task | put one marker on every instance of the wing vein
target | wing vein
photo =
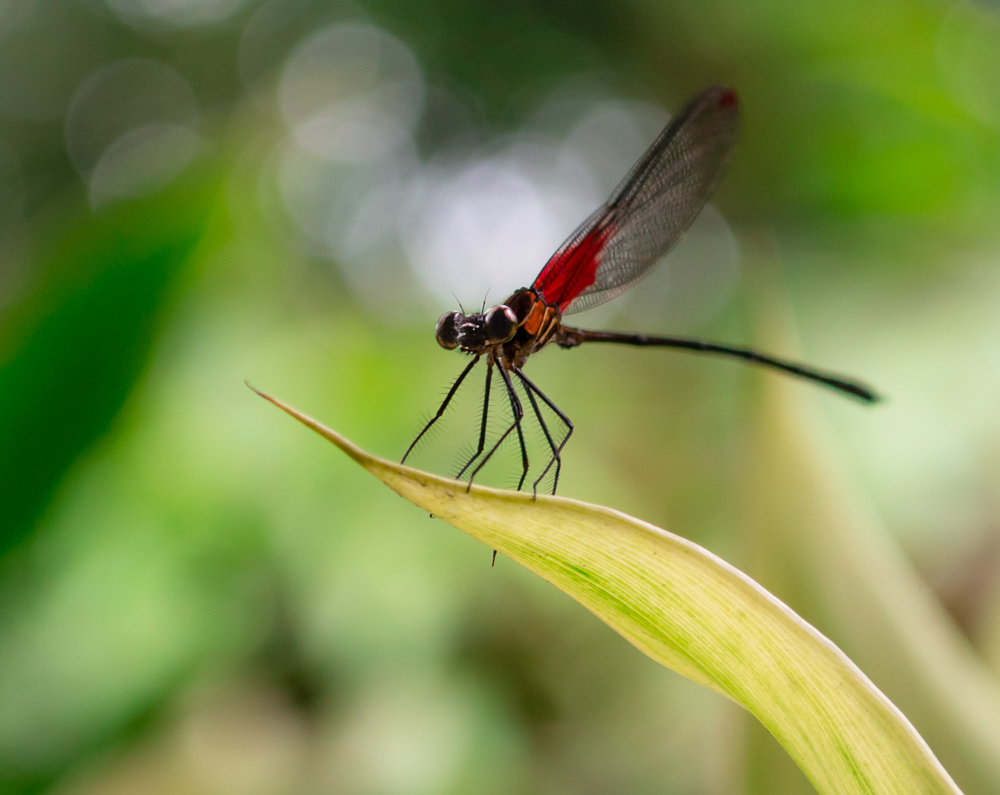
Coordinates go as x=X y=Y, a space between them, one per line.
x=649 y=210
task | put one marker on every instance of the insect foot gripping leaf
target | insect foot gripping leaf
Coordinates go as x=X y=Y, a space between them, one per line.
x=696 y=614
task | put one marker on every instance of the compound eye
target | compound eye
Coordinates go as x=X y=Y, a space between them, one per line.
x=446 y=331
x=501 y=323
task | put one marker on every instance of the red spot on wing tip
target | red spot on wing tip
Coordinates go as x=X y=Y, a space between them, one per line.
x=727 y=99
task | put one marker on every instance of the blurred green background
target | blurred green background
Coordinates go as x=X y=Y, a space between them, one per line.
x=199 y=596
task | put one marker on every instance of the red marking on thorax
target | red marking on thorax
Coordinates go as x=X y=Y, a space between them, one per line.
x=573 y=270
x=727 y=99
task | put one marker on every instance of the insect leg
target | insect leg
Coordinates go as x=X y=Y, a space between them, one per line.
x=482 y=427
x=516 y=407
x=444 y=405
x=548 y=437
x=515 y=404
x=557 y=451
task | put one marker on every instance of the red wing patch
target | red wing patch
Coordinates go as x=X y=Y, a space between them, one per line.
x=573 y=269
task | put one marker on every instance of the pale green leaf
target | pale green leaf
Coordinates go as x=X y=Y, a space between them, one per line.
x=810 y=536
x=694 y=613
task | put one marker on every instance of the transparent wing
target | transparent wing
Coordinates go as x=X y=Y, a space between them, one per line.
x=649 y=211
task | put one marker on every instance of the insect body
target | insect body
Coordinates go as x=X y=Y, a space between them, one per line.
x=617 y=245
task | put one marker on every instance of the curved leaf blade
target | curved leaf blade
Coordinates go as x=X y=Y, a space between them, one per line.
x=696 y=614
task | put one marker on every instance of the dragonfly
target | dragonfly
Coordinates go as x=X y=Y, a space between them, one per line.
x=619 y=243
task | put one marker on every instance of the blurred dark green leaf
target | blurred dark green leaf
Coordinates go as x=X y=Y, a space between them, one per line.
x=71 y=350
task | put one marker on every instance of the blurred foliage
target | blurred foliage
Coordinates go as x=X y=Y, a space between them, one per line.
x=196 y=598
x=77 y=343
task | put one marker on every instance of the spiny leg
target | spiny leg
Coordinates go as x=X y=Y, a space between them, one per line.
x=482 y=427
x=556 y=458
x=441 y=410
x=548 y=438
x=515 y=404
